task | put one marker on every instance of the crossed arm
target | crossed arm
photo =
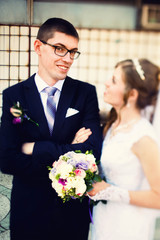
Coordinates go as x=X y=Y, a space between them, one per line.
x=80 y=137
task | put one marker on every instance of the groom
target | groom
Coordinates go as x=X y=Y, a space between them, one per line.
x=37 y=213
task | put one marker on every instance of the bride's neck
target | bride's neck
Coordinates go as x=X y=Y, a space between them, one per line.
x=126 y=115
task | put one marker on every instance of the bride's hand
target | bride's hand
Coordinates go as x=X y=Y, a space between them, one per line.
x=97 y=187
x=27 y=148
x=82 y=135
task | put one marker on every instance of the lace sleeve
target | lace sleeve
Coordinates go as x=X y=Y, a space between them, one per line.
x=113 y=193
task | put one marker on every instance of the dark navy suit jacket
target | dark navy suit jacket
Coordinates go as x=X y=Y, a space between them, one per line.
x=36 y=211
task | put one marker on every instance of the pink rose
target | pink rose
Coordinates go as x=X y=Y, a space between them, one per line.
x=79 y=194
x=57 y=163
x=93 y=167
x=80 y=173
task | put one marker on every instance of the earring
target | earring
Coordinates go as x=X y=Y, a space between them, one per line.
x=128 y=105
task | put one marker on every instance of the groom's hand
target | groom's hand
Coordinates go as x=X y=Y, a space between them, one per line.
x=27 y=148
x=82 y=135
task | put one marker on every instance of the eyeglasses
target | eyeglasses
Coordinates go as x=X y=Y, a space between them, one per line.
x=62 y=51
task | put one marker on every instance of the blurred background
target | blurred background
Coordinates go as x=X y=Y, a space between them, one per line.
x=109 y=31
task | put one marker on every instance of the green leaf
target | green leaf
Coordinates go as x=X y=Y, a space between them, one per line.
x=97 y=178
x=98 y=162
x=49 y=168
x=78 y=151
x=89 y=152
x=81 y=199
x=89 y=188
x=58 y=176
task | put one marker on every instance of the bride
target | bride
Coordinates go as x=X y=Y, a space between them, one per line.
x=130 y=157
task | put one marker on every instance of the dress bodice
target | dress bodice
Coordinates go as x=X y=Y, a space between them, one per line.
x=120 y=165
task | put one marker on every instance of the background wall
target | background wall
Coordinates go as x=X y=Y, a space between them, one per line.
x=86 y=15
x=100 y=50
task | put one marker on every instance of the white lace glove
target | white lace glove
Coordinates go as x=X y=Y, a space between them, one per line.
x=112 y=193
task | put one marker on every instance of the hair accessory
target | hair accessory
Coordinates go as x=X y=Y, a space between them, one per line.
x=139 y=69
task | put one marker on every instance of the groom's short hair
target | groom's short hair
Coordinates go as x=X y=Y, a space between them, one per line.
x=52 y=25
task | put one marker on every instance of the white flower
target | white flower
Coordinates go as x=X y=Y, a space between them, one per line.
x=71 y=182
x=58 y=187
x=70 y=154
x=80 y=156
x=64 y=169
x=80 y=186
x=91 y=159
x=51 y=176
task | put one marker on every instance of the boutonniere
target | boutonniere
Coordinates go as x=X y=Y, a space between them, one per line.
x=19 y=114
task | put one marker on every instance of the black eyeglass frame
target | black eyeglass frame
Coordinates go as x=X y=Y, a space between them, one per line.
x=70 y=51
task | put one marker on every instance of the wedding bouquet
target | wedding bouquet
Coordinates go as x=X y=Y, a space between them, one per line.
x=73 y=175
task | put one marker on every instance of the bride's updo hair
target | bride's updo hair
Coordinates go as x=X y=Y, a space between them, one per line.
x=142 y=75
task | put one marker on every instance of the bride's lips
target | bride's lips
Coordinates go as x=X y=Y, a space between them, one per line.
x=105 y=92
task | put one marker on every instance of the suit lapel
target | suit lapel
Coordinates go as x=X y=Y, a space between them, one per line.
x=66 y=97
x=34 y=105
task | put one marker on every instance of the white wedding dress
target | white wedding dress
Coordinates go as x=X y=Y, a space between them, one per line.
x=119 y=221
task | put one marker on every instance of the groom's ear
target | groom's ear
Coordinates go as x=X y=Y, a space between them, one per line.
x=37 y=46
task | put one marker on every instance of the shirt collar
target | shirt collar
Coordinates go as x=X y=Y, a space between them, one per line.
x=41 y=84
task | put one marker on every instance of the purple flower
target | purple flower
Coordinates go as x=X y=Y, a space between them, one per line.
x=73 y=197
x=72 y=162
x=70 y=154
x=26 y=117
x=53 y=171
x=82 y=165
x=18 y=112
x=17 y=120
x=62 y=181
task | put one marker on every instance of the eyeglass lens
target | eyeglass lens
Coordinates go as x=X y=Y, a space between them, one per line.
x=62 y=51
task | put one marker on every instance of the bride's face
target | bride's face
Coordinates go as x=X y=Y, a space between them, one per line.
x=115 y=88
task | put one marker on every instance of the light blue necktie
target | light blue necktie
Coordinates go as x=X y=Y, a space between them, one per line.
x=51 y=106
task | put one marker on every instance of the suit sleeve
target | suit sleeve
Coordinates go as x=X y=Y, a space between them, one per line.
x=12 y=160
x=51 y=150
